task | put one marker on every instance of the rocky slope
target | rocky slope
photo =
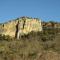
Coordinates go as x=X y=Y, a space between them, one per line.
x=51 y=24
x=20 y=26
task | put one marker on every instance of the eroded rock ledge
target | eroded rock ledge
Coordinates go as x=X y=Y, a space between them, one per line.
x=20 y=26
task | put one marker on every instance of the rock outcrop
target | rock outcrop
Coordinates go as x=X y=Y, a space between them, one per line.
x=20 y=26
x=51 y=24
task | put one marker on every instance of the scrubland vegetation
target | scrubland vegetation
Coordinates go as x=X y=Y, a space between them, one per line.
x=43 y=45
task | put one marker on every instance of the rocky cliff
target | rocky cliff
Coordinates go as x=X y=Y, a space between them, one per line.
x=20 y=26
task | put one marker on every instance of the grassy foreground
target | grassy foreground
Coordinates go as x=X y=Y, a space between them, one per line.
x=34 y=46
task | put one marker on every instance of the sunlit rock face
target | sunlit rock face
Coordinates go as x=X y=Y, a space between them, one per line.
x=20 y=26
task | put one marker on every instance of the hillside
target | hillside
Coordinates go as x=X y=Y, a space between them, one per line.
x=51 y=24
x=36 y=45
x=20 y=26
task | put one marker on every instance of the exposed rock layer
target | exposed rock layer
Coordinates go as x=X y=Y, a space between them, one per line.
x=20 y=26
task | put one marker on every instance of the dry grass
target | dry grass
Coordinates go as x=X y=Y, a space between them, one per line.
x=30 y=47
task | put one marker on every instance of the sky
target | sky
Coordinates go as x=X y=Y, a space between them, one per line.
x=46 y=10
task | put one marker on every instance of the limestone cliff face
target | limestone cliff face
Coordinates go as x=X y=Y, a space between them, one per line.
x=20 y=26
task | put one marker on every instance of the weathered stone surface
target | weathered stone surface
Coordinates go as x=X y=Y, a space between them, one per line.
x=20 y=26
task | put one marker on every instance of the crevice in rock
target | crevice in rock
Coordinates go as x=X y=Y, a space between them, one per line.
x=3 y=25
x=17 y=29
x=24 y=23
